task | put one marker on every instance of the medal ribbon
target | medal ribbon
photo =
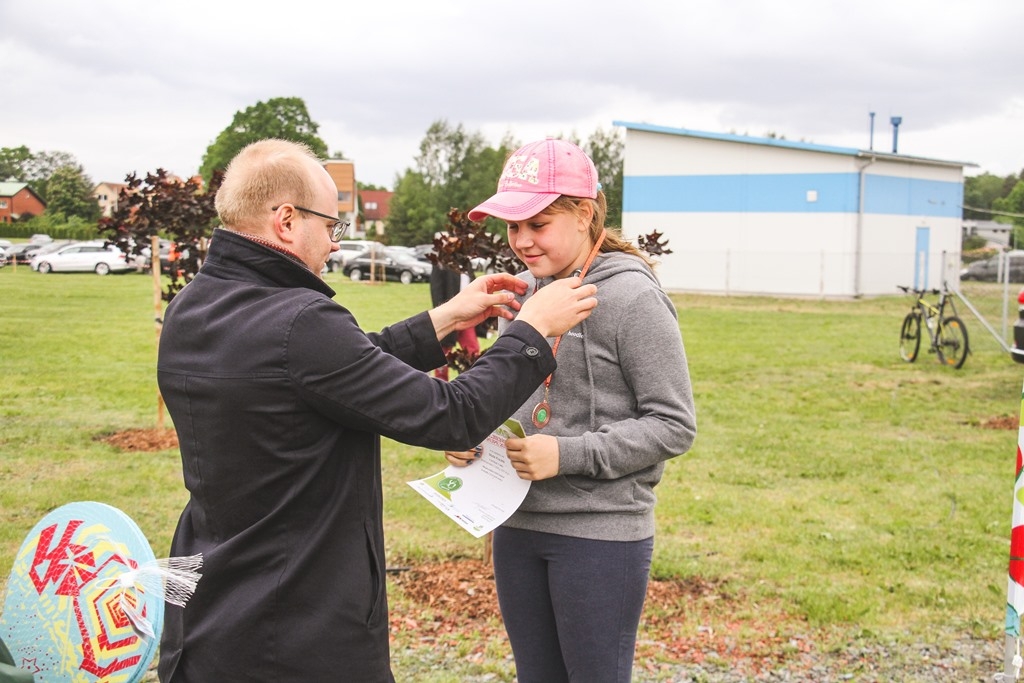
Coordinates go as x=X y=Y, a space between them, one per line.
x=542 y=412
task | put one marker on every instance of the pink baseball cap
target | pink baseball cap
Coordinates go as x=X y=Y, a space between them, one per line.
x=535 y=176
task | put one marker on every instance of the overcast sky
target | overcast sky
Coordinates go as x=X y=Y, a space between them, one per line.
x=130 y=86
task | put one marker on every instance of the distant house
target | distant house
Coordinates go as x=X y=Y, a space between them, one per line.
x=106 y=195
x=374 y=205
x=767 y=216
x=997 y=234
x=18 y=201
x=344 y=175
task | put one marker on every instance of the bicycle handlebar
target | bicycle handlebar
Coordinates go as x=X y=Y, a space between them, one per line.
x=908 y=290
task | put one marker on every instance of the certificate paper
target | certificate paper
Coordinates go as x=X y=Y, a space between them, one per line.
x=482 y=495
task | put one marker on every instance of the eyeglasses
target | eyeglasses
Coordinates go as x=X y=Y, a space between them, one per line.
x=337 y=231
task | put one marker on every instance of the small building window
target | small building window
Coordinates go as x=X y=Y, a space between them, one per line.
x=344 y=196
x=371 y=206
x=3 y=203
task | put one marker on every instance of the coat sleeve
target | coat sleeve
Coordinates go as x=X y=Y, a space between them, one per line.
x=413 y=341
x=365 y=383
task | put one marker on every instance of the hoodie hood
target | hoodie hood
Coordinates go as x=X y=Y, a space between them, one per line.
x=605 y=266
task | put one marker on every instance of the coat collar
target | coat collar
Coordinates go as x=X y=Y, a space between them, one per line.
x=233 y=251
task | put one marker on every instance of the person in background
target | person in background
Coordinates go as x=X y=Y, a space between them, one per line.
x=571 y=565
x=279 y=401
x=445 y=284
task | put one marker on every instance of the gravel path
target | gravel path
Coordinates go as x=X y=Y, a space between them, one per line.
x=964 y=659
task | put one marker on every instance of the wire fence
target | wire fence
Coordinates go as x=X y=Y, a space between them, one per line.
x=994 y=306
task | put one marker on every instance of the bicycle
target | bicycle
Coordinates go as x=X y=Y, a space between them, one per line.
x=947 y=333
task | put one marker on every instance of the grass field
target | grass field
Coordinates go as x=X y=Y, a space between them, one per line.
x=860 y=491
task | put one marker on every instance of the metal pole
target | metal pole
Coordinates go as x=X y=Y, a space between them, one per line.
x=1005 y=269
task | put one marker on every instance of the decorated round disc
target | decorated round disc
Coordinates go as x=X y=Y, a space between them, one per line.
x=66 y=616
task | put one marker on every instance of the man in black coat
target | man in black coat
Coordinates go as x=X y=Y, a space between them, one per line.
x=279 y=400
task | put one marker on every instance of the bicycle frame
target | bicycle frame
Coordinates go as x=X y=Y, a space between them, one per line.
x=947 y=335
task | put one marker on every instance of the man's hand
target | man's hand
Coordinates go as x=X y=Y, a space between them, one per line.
x=560 y=306
x=535 y=457
x=486 y=297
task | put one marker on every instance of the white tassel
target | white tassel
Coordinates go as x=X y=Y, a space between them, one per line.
x=172 y=579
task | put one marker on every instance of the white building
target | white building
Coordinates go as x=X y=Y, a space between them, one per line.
x=768 y=216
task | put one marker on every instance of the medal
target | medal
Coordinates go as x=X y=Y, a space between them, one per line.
x=542 y=411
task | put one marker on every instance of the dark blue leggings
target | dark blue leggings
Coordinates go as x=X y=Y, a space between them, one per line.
x=571 y=606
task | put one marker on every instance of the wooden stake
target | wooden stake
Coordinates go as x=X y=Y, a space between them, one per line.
x=154 y=265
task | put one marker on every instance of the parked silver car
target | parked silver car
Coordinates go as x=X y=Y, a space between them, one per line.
x=82 y=257
x=988 y=269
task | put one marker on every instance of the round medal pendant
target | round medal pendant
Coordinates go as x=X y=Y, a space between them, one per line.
x=541 y=414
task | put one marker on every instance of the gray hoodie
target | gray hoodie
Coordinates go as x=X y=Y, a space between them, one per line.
x=621 y=405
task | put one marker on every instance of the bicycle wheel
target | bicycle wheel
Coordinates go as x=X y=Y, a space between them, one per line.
x=952 y=342
x=910 y=337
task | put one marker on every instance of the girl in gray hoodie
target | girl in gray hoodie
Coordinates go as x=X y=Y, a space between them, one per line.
x=571 y=565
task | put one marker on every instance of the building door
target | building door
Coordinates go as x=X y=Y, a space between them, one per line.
x=921 y=258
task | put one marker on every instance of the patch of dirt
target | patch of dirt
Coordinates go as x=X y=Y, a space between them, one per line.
x=142 y=440
x=466 y=586
x=685 y=620
x=1001 y=422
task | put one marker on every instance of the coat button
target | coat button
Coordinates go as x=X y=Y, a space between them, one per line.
x=532 y=351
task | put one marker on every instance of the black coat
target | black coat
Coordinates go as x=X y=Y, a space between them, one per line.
x=279 y=400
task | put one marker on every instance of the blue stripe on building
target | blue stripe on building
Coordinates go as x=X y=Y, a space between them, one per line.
x=787 y=193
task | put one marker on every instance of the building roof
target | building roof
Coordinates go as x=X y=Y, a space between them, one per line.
x=788 y=144
x=11 y=188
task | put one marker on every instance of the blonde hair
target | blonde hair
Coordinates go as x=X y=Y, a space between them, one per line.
x=613 y=238
x=264 y=174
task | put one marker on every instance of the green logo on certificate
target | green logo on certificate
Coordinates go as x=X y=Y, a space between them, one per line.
x=450 y=484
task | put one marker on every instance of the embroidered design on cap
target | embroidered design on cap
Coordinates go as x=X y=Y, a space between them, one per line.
x=522 y=167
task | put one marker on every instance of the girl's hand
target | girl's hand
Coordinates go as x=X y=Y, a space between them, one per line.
x=463 y=458
x=535 y=457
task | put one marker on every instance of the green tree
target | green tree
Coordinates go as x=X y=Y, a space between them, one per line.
x=281 y=117
x=980 y=192
x=412 y=211
x=606 y=150
x=14 y=162
x=69 y=192
x=1012 y=206
x=454 y=169
x=22 y=165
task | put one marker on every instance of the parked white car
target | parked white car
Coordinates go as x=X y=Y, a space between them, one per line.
x=82 y=257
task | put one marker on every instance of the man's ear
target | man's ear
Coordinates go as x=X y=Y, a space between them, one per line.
x=285 y=227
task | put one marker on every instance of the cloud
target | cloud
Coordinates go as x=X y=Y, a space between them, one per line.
x=132 y=86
